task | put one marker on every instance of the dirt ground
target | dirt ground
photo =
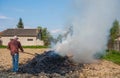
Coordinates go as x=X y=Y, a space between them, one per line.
x=102 y=69
x=5 y=57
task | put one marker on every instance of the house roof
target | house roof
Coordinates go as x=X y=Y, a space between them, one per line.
x=19 y=32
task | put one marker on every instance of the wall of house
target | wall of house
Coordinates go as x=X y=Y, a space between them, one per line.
x=5 y=40
x=25 y=41
x=0 y=41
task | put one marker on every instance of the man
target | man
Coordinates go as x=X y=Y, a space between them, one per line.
x=14 y=47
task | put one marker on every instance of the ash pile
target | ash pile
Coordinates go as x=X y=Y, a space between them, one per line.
x=50 y=63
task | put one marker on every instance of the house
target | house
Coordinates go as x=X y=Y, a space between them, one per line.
x=0 y=39
x=27 y=37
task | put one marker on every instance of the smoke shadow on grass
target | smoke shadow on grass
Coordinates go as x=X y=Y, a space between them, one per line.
x=50 y=62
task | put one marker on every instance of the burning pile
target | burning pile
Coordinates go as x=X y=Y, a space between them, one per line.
x=50 y=62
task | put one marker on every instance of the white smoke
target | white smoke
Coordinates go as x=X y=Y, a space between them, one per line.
x=91 y=24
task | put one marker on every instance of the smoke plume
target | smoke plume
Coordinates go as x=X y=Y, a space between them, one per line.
x=91 y=22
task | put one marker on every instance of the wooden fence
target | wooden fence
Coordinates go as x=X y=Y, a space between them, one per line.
x=114 y=46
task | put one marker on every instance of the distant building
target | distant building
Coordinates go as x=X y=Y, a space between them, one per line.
x=27 y=37
x=0 y=39
x=116 y=44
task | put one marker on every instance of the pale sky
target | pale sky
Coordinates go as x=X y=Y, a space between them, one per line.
x=51 y=14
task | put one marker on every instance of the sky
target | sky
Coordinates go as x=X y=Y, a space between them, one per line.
x=46 y=13
x=51 y=14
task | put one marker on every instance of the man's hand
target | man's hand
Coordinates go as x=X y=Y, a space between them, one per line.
x=22 y=51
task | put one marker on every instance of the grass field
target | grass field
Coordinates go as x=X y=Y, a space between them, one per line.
x=113 y=56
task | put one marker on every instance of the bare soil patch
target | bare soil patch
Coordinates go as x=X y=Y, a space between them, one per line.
x=102 y=69
x=5 y=57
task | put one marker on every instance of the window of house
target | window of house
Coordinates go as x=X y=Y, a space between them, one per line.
x=29 y=39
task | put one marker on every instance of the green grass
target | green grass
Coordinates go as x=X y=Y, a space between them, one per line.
x=113 y=56
x=28 y=47
x=35 y=46
x=3 y=46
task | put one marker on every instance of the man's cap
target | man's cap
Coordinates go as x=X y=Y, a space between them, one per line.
x=15 y=37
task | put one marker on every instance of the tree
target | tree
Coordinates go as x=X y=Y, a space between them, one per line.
x=39 y=33
x=114 y=31
x=20 y=24
x=45 y=36
x=59 y=38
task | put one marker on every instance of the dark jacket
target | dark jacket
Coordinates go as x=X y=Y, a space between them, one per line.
x=14 y=46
